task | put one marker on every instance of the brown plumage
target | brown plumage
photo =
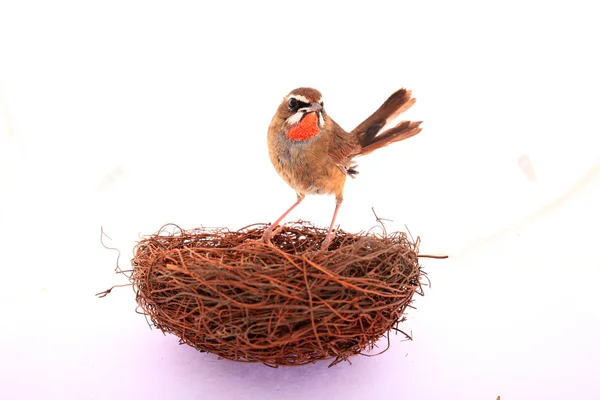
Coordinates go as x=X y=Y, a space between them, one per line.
x=314 y=155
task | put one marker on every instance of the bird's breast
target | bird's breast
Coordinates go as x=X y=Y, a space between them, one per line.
x=305 y=165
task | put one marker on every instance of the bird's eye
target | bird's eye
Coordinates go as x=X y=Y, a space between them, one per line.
x=292 y=103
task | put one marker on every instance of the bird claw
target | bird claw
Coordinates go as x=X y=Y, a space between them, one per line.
x=326 y=243
x=266 y=237
x=269 y=233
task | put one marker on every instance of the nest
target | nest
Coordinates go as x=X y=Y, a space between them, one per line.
x=227 y=293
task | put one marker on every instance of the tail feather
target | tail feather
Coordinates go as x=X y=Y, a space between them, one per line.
x=396 y=104
x=403 y=130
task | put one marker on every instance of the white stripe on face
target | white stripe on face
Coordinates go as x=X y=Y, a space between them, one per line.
x=294 y=119
x=298 y=97
x=301 y=98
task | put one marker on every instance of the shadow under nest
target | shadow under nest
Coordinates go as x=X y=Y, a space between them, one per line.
x=228 y=293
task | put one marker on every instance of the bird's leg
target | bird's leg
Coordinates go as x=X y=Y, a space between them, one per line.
x=269 y=232
x=329 y=237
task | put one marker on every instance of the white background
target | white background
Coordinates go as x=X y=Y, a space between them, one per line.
x=129 y=115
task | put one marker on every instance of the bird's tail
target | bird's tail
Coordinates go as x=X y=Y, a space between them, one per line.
x=368 y=132
x=403 y=130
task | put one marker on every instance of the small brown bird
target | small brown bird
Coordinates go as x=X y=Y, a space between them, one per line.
x=314 y=155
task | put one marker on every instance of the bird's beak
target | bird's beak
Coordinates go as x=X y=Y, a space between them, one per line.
x=314 y=107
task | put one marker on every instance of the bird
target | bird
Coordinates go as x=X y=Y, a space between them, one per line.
x=315 y=155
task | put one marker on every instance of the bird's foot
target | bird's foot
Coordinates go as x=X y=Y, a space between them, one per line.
x=269 y=233
x=267 y=236
x=326 y=242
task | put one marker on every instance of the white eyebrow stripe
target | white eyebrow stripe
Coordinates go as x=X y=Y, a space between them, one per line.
x=301 y=98
x=298 y=97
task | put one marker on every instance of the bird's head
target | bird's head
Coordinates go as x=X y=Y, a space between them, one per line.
x=301 y=115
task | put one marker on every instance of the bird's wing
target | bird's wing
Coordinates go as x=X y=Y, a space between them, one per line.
x=342 y=147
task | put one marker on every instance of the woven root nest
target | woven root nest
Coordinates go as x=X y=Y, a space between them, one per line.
x=227 y=293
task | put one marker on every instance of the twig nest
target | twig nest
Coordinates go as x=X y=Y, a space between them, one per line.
x=287 y=303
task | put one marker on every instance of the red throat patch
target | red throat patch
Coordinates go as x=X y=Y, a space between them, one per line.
x=306 y=129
